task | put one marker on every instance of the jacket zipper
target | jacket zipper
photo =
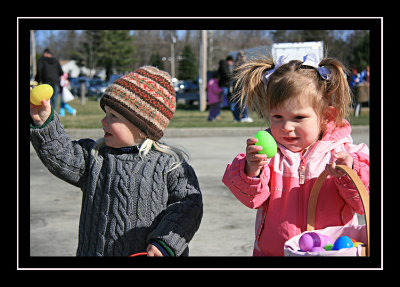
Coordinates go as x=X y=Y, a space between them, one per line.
x=303 y=163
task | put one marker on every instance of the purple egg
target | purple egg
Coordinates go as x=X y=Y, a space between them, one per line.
x=309 y=240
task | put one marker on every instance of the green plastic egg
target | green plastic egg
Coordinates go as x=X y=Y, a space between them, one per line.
x=41 y=92
x=267 y=142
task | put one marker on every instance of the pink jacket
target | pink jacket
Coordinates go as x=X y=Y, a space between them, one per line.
x=213 y=91
x=282 y=190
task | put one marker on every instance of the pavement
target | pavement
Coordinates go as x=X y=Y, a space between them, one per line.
x=227 y=227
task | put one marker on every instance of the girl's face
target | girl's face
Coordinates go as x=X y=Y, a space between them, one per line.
x=118 y=131
x=295 y=125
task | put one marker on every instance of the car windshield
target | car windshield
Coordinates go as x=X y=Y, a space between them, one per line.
x=97 y=82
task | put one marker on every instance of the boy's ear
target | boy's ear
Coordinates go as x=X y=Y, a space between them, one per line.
x=330 y=114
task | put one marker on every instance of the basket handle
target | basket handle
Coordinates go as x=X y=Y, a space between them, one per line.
x=362 y=191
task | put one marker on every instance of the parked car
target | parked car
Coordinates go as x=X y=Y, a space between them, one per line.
x=75 y=84
x=97 y=88
x=189 y=90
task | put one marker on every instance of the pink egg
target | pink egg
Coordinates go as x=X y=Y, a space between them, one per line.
x=318 y=249
x=325 y=239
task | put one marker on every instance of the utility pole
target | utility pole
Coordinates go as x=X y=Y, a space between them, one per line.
x=33 y=53
x=203 y=71
x=173 y=41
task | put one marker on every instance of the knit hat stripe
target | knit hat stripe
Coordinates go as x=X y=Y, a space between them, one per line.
x=150 y=89
x=145 y=97
x=137 y=92
x=159 y=77
x=141 y=107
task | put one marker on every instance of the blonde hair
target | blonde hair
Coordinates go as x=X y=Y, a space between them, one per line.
x=179 y=155
x=291 y=80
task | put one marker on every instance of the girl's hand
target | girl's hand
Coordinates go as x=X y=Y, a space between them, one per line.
x=40 y=114
x=254 y=160
x=343 y=158
x=153 y=251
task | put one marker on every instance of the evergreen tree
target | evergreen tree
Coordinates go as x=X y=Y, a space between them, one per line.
x=188 y=65
x=116 y=50
x=110 y=49
x=155 y=60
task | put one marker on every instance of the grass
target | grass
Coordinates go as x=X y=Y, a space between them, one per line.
x=90 y=114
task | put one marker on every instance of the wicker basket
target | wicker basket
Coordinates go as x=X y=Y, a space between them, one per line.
x=358 y=232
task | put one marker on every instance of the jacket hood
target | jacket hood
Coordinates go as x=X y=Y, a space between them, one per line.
x=334 y=136
x=51 y=61
x=334 y=133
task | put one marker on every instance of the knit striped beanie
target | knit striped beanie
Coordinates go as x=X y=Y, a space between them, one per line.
x=145 y=97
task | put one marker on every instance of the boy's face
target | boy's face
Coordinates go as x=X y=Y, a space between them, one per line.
x=118 y=131
x=295 y=125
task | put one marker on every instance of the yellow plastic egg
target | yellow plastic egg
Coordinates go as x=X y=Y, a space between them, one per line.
x=357 y=243
x=41 y=92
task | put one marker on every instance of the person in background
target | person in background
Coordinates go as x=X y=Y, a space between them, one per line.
x=63 y=103
x=224 y=71
x=49 y=72
x=214 y=97
x=239 y=113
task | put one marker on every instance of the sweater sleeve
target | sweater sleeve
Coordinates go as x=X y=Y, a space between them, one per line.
x=347 y=190
x=252 y=192
x=184 y=210
x=64 y=158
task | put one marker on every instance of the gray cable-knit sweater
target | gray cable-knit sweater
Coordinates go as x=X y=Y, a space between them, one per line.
x=127 y=201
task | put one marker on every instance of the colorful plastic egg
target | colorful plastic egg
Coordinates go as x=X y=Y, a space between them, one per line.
x=357 y=243
x=310 y=240
x=328 y=247
x=267 y=142
x=318 y=249
x=325 y=240
x=342 y=242
x=41 y=92
x=307 y=241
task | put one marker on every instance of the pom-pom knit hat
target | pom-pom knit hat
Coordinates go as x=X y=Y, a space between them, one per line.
x=145 y=97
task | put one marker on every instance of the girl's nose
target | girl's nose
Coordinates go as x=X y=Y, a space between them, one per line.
x=287 y=126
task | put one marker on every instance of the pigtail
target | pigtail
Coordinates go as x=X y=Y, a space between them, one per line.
x=179 y=155
x=337 y=90
x=250 y=86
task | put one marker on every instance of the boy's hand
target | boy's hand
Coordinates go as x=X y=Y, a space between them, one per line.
x=153 y=251
x=343 y=158
x=40 y=114
x=254 y=160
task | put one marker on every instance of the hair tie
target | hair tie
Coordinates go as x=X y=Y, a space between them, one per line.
x=282 y=60
x=310 y=60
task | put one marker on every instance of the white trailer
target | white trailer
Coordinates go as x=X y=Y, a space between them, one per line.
x=296 y=51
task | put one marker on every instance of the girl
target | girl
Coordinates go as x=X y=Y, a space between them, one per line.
x=306 y=104
x=138 y=194
x=64 y=83
x=214 y=97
